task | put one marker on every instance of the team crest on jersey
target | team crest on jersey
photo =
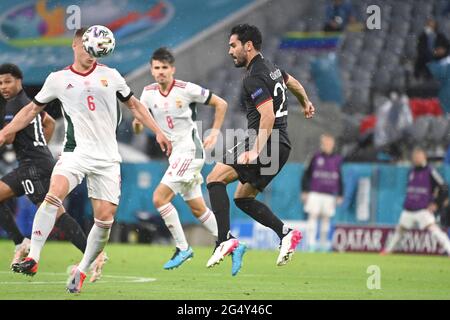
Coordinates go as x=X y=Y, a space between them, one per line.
x=104 y=82
x=178 y=103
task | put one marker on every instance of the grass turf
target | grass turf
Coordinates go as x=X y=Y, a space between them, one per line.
x=135 y=272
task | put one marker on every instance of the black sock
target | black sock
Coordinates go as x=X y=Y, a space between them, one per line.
x=8 y=223
x=72 y=230
x=261 y=213
x=220 y=205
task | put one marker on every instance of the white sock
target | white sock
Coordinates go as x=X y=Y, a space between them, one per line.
x=395 y=239
x=170 y=217
x=43 y=224
x=208 y=219
x=96 y=242
x=324 y=230
x=312 y=231
x=441 y=237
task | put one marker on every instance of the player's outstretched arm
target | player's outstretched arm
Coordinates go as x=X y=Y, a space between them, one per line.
x=221 y=108
x=299 y=92
x=20 y=121
x=141 y=113
x=48 y=124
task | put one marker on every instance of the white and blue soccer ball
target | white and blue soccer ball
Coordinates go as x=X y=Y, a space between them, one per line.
x=99 y=41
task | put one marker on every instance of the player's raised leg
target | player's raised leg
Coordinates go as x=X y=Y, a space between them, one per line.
x=245 y=199
x=217 y=181
x=98 y=237
x=162 y=198
x=75 y=234
x=43 y=223
x=203 y=213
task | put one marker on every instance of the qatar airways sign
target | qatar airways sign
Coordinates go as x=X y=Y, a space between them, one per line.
x=348 y=238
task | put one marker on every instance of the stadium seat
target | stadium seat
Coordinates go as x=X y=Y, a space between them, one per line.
x=419 y=130
x=438 y=129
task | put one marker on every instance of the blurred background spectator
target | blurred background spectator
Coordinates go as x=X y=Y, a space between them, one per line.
x=440 y=70
x=339 y=13
x=432 y=44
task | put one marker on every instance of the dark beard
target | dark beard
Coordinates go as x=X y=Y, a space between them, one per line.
x=240 y=64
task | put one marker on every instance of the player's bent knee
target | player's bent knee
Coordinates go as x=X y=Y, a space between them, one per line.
x=59 y=187
x=212 y=177
x=198 y=210
x=159 y=200
x=218 y=174
x=105 y=211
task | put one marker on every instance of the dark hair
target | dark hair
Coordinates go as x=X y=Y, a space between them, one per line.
x=79 y=32
x=246 y=32
x=12 y=69
x=164 y=55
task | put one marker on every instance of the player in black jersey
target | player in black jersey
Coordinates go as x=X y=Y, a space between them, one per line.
x=258 y=159
x=32 y=176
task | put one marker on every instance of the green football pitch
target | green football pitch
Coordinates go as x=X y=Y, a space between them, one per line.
x=135 y=272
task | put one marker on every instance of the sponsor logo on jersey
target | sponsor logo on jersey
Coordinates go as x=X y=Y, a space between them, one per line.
x=9 y=117
x=257 y=93
x=104 y=82
x=69 y=86
x=203 y=92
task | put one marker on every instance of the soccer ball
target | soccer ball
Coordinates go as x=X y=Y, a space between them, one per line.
x=98 y=41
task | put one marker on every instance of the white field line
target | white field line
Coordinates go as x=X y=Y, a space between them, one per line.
x=120 y=279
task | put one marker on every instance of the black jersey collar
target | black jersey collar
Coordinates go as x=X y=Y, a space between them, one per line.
x=255 y=58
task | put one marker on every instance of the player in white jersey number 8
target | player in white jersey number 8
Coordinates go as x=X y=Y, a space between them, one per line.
x=172 y=103
x=88 y=92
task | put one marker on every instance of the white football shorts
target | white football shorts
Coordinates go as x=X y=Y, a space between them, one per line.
x=412 y=219
x=102 y=178
x=320 y=204
x=183 y=176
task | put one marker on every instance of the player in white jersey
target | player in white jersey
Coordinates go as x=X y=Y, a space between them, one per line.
x=88 y=92
x=172 y=103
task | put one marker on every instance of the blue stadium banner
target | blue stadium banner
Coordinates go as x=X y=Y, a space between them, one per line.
x=36 y=34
